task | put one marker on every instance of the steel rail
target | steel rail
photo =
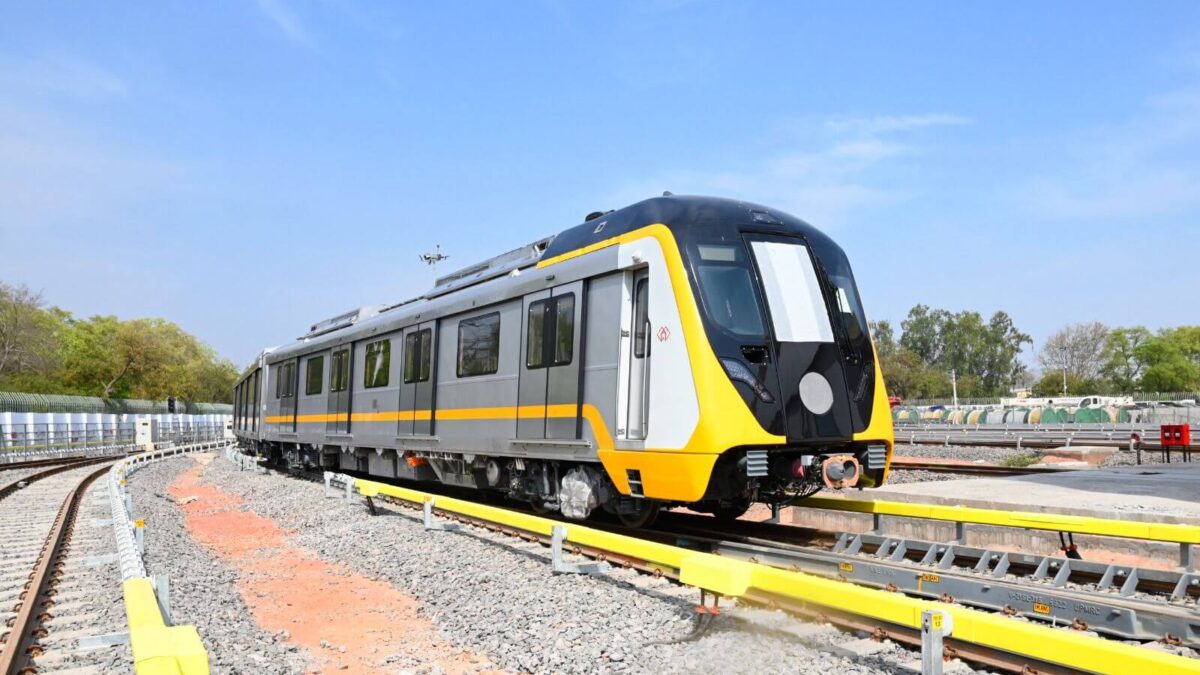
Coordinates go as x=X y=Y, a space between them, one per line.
x=981 y=636
x=1185 y=535
x=1011 y=583
x=74 y=463
x=967 y=468
x=39 y=578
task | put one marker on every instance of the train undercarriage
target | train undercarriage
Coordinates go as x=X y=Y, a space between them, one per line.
x=579 y=490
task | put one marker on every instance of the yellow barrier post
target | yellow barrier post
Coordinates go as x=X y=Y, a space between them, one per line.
x=159 y=649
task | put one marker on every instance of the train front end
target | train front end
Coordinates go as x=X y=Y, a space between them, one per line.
x=782 y=314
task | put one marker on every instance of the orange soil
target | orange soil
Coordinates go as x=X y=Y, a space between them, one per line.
x=288 y=588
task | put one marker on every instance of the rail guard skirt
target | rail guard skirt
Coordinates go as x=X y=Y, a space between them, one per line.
x=735 y=578
x=1126 y=529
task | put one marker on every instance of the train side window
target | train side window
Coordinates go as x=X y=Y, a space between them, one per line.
x=564 y=329
x=535 y=335
x=426 y=354
x=479 y=345
x=378 y=363
x=338 y=377
x=641 y=320
x=285 y=381
x=550 y=337
x=416 y=356
x=315 y=375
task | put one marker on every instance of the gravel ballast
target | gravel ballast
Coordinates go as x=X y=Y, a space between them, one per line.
x=484 y=592
x=203 y=593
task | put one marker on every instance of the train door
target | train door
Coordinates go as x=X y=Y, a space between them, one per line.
x=416 y=382
x=338 y=419
x=531 y=389
x=563 y=356
x=549 y=391
x=289 y=375
x=639 y=359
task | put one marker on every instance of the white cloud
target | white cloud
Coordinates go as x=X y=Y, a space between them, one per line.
x=871 y=126
x=285 y=19
x=1145 y=167
x=824 y=170
x=57 y=74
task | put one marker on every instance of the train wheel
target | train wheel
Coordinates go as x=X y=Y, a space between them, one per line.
x=645 y=516
x=732 y=511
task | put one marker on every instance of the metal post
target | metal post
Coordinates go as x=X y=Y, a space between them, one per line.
x=558 y=535
x=328 y=479
x=140 y=537
x=428 y=518
x=935 y=624
x=1186 y=561
x=162 y=591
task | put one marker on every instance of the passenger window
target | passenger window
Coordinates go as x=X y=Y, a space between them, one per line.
x=551 y=332
x=338 y=377
x=535 y=335
x=416 y=356
x=641 y=320
x=564 y=329
x=378 y=362
x=315 y=375
x=426 y=354
x=479 y=345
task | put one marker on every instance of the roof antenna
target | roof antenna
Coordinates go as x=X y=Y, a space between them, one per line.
x=668 y=193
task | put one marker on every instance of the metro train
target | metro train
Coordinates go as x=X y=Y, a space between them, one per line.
x=682 y=351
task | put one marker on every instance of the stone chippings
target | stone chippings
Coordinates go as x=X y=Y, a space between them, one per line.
x=496 y=595
x=203 y=590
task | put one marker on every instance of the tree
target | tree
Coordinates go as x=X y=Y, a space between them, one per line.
x=922 y=332
x=984 y=356
x=28 y=333
x=1171 y=360
x=1120 y=364
x=884 y=337
x=1051 y=385
x=1076 y=351
x=143 y=358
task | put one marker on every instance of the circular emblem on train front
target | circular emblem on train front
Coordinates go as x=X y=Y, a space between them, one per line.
x=663 y=334
x=815 y=393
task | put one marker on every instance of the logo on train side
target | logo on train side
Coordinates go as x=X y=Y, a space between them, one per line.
x=663 y=334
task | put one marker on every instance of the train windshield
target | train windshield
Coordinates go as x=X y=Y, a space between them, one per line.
x=850 y=311
x=793 y=292
x=727 y=290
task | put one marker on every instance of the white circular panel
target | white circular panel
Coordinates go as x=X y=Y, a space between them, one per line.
x=816 y=394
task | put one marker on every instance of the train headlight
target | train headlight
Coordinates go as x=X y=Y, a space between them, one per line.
x=738 y=372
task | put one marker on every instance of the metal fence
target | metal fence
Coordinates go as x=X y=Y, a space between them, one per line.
x=64 y=436
x=1137 y=396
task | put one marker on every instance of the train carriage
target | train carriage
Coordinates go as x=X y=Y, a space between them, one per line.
x=683 y=350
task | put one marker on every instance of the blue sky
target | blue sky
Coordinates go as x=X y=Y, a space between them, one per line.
x=247 y=168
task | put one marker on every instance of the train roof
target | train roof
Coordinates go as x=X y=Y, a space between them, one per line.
x=675 y=211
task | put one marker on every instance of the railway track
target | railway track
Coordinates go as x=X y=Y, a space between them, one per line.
x=53 y=595
x=967 y=468
x=1115 y=601
x=1119 y=602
